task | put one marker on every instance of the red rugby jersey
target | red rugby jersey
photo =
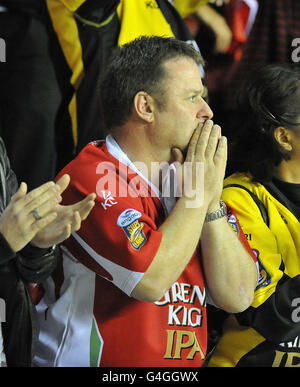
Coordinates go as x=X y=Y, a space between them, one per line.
x=87 y=316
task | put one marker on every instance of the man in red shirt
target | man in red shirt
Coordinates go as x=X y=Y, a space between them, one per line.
x=131 y=287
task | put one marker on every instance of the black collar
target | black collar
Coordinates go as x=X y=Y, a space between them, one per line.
x=288 y=194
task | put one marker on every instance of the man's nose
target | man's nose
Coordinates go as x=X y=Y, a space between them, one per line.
x=205 y=111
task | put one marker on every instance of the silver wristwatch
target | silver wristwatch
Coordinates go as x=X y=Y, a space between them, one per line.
x=222 y=211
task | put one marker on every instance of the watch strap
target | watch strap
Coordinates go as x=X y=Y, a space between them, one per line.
x=220 y=213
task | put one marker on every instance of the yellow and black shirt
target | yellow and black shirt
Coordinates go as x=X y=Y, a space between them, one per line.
x=267 y=333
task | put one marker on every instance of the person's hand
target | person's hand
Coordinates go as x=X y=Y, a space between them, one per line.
x=203 y=170
x=219 y=26
x=68 y=219
x=18 y=224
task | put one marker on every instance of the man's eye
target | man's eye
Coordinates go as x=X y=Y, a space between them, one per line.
x=192 y=98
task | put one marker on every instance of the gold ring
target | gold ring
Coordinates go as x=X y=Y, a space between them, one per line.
x=36 y=214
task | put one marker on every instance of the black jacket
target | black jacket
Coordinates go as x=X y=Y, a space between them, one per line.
x=20 y=330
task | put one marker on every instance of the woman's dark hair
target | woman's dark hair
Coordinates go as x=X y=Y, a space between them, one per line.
x=269 y=99
x=137 y=66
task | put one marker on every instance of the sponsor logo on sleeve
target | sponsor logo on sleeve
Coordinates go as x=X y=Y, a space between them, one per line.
x=233 y=223
x=129 y=222
x=264 y=277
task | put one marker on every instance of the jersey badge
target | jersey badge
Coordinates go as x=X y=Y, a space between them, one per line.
x=129 y=221
x=264 y=277
x=233 y=223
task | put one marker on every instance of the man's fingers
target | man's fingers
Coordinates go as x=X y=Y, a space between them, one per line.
x=44 y=203
x=76 y=223
x=204 y=144
x=40 y=224
x=221 y=153
x=63 y=234
x=85 y=208
x=42 y=193
x=192 y=146
x=41 y=210
x=67 y=233
x=203 y=141
x=84 y=213
x=63 y=182
x=22 y=190
x=213 y=140
x=86 y=203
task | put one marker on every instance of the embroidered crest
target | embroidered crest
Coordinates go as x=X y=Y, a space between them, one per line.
x=133 y=229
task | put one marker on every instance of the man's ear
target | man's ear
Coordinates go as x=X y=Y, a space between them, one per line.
x=144 y=106
x=283 y=137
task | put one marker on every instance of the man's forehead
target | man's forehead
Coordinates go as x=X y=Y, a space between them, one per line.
x=185 y=69
x=180 y=62
x=196 y=90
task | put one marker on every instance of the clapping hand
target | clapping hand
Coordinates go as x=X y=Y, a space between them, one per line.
x=68 y=218
x=37 y=216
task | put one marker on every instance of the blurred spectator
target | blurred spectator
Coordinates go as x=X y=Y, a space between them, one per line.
x=264 y=192
x=51 y=98
x=276 y=25
x=221 y=30
x=30 y=96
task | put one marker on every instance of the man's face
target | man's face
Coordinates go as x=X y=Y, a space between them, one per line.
x=184 y=109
